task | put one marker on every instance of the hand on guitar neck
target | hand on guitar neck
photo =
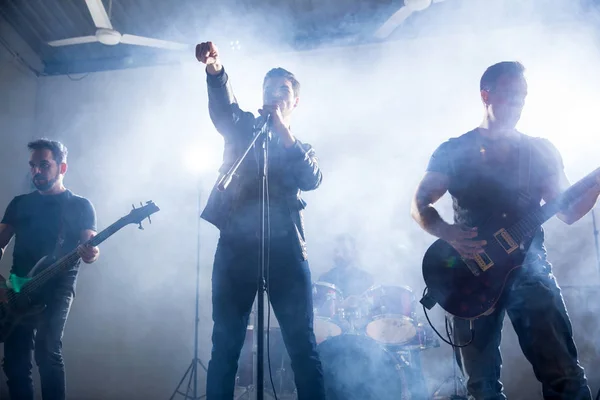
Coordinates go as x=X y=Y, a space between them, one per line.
x=463 y=240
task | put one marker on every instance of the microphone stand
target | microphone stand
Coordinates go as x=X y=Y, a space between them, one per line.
x=261 y=132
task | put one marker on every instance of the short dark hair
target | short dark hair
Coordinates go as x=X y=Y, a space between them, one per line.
x=59 y=150
x=283 y=73
x=490 y=76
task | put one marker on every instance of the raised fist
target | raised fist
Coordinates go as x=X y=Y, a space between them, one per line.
x=207 y=53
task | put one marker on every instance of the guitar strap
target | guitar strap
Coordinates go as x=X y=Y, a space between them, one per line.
x=524 y=196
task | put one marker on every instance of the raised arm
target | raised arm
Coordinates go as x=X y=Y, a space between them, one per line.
x=223 y=107
x=557 y=182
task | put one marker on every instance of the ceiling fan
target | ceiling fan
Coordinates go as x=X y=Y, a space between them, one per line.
x=105 y=33
x=410 y=7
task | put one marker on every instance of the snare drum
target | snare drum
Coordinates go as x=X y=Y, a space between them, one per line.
x=392 y=314
x=327 y=304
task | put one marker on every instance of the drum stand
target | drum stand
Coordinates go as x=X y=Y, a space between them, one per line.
x=457 y=380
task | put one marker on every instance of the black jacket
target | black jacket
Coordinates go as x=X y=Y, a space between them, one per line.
x=294 y=170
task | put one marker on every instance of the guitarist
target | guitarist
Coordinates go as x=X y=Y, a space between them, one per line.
x=47 y=221
x=482 y=171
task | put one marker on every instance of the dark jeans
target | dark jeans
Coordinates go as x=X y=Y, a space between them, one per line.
x=536 y=309
x=43 y=335
x=234 y=285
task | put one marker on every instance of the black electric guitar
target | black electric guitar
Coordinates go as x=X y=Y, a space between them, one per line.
x=470 y=288
x=22 y=302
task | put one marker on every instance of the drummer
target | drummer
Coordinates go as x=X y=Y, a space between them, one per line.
x=345 y=275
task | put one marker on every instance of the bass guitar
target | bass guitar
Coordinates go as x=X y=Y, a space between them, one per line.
x=22 y=301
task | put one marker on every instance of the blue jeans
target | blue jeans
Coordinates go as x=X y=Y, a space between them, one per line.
x=535 y=306
x=234 y=285
x=43 y=335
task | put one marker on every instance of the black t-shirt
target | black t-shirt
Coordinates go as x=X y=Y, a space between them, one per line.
x=37 y=220
x=481 y=184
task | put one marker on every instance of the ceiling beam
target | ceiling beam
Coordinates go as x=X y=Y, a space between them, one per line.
x=19 y=49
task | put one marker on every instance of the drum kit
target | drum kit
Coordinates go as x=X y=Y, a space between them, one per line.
x=368 y=344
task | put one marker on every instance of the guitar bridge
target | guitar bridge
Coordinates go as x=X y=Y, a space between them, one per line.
x=506 y=241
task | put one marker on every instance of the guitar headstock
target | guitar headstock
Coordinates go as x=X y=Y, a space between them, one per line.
x=137 y=215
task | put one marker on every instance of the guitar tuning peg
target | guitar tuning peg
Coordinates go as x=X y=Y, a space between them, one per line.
x=141 y=205
x=149 y=220
x=140 y=226
x=132 y=206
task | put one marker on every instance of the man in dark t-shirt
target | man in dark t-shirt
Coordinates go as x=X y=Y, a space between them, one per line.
x=491 y=169
x=50 y=221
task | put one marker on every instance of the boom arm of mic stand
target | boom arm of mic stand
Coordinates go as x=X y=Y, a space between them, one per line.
x=226 y=179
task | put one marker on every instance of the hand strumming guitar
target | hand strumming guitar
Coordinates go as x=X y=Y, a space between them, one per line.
x=461 y=238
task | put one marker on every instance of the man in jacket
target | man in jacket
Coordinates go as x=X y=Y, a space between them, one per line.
x=236 y=212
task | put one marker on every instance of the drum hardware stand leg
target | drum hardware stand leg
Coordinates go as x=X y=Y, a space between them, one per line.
x=456 y=380
x=192 y=385
x=246 y=393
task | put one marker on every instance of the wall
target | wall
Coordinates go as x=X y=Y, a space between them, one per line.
x=18 y=88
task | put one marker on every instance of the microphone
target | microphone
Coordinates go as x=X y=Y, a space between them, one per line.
x=262 y=123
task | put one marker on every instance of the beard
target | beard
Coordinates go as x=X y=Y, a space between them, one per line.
x=42 y=184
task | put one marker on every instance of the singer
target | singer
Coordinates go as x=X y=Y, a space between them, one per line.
x=236 y=213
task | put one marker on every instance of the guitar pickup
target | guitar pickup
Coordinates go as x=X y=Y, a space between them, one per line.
x=506 y=241
x=484 y=261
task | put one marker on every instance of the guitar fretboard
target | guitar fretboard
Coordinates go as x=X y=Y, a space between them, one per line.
x=533 y=221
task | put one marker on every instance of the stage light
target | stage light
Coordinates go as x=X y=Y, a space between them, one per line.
x=201 y=158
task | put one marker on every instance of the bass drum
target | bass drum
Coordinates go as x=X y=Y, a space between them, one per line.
x=358 y=368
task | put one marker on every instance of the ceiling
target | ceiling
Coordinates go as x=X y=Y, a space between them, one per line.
x=271 y=25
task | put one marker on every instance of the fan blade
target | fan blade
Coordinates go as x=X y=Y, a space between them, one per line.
x=145 y=41
x=75 y=40
x=393 y=22
x=99 y=14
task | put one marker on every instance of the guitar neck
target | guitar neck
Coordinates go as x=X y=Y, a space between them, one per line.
x=534 y=220
x=69 y=259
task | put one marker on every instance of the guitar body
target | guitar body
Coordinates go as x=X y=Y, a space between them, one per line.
x=24 y=301
x=470 y=289
x=22 y=306
x=11 y=317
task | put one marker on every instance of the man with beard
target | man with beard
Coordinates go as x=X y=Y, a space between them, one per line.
x=236 y=213
x=50 y=220
x=494 y=168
